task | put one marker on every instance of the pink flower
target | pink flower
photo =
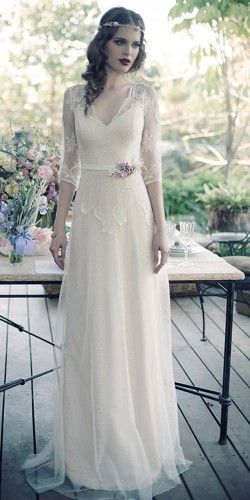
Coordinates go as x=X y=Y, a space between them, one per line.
x=41 y=235
x=25 y=171
x=52 y=188
x=32 y=153
x=123 y=169
x=4 y=242
x=39 y=156
x=45 y=171
x=25 y=164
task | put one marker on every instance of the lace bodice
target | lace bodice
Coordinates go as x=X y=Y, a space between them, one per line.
x=89 y=146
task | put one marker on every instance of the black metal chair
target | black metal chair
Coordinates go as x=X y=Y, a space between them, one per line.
x=237 y=242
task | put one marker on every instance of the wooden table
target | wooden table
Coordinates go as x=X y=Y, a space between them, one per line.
x=203 y=267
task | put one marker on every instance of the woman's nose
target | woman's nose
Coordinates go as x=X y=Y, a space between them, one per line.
x=127 y=50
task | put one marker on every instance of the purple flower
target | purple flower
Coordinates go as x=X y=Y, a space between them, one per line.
x=20 y=229
x=3 y=206
x=123 y=169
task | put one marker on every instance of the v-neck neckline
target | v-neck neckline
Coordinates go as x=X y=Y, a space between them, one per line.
x=123 y=102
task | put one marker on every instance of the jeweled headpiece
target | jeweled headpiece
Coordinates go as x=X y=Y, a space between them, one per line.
x=116 y=24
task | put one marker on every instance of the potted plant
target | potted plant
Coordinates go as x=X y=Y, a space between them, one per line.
x=228 y=205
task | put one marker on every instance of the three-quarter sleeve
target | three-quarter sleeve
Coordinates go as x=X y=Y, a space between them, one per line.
x=151 y=135
x=70 y=167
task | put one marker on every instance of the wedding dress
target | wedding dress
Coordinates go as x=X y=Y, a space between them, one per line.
x=115 y=422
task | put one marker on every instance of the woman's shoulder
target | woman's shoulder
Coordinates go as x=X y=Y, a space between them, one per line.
x=74 y=94
x=145 y=90
x=74 y=89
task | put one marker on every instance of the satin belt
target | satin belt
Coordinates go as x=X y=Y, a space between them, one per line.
x=105 y=166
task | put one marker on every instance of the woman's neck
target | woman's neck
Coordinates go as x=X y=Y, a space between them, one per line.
x=116 y=82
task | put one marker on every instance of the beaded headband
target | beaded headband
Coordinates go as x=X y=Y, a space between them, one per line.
x=116 y=23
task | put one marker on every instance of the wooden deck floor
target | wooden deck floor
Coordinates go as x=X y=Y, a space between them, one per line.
x=217 y=472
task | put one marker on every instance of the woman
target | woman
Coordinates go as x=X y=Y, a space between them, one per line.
x=115 y=424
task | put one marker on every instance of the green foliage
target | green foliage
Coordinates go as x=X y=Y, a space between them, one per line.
x=206 y=11
x=180 y=195
x=22 y=208
x=222 y=63
x=196 y=195
x=175 y=160
x=233 y=195
x=47 y=49
x=231 y=16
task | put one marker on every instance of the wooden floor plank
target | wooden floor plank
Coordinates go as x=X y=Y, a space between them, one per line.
x=238 y=427
x=228 y=467
x=217 y=315
x=211 y=358
x=215 y=320
x=240 y=320
x=217 y=471
x=42 y=359
x=17 y=411
x=200 y=472
x=4 y=307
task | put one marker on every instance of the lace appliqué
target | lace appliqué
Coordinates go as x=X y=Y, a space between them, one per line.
x=71 y=144
x=69 y=174
x=76 y=99
x=150 y=144
x=153 y=171
x=109 y=198
x=152 y=174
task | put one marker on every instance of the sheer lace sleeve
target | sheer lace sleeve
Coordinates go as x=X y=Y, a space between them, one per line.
x=70 y=168
x=150 y=142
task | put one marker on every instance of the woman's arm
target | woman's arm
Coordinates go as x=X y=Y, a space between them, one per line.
x=69 y=176
x=154 y=189
x=152 y=174
x=66 y=193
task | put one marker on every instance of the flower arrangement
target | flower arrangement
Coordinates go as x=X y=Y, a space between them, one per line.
x=19 y=216
x=20 y=159
x=28 y=194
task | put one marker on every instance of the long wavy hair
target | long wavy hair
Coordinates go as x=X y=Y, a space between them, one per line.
x=96 y=73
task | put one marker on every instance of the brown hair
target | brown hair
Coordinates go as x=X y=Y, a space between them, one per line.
x=96 y=74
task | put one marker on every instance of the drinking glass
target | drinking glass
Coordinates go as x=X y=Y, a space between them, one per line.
x=174 y=260
x=186 y=231
x=170 y=227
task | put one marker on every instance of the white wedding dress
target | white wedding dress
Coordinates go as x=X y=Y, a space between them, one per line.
x=115 y=422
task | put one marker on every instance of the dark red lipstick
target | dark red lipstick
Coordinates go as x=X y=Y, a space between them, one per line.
x=124 y=61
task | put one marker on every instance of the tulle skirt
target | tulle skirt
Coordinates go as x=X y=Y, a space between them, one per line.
x=115 y=422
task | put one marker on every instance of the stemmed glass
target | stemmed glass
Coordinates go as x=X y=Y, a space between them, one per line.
x=187 y=231
x=170 y=227
x=172 y=237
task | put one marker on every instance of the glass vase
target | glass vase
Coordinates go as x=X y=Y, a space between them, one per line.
x=15 y=259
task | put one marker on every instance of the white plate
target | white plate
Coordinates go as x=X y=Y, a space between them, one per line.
x=191 y=250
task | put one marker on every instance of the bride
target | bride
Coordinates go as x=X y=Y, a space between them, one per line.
x=115 y=421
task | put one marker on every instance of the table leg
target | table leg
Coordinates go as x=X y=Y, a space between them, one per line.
x=224 y=397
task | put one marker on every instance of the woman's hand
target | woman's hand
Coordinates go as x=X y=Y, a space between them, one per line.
x=59 y=242
x=160 y=243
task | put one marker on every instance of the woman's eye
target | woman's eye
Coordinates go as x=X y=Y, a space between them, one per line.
x=121 y=41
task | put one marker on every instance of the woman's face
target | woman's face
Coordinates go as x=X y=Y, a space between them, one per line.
x=124 y=45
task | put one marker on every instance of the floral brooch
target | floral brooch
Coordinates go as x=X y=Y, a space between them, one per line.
x=122 y=169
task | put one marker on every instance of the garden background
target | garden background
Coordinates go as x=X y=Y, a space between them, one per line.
x=197 y=59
